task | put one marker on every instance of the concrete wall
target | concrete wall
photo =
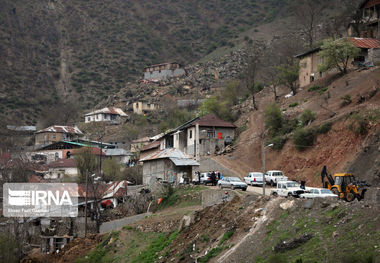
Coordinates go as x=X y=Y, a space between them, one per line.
x=214 y=197
x=50 y=137
x=164 y=74
x=374 y=55
x=101 y=117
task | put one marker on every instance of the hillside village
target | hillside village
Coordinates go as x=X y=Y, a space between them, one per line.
x=155 y=161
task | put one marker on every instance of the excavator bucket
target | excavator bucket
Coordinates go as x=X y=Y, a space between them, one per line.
x=324 y=175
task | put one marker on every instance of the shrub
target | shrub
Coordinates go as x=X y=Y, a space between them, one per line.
x=324 y=128
x=346 y=99
x=313 y=88
x=278 y=258
x=307 y=117
x=304 y=138
x=278 y=142
x=292 y=105
x=359 y=124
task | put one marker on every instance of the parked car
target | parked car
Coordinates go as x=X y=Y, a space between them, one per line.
x=233 y=183
x=288 y=188
x=318 y=192
x=206 y=178
x=273 y=177
x=254 y=178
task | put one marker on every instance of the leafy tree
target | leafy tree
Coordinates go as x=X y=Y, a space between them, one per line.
x=273 y=118
x=111 y=169
x=288 y=74
x=336 y=54
x=86 y=162
x=304 y=138
x=216 y=106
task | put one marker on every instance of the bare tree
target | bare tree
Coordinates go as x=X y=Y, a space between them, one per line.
x=254 y=60
x=309 y=15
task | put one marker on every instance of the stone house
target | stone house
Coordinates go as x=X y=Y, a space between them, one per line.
x=108 y=114
x=367 y=25
x=310 y=61
x=163 y=71
x=57 y=133
x=199 y=136
x=142 y=107
x=122 y=156
x=168 y=165
x=138 y=144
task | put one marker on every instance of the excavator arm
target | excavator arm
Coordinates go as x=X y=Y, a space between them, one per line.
x=324 y=175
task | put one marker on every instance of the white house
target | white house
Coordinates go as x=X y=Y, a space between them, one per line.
x=108 y=114
x=61 y=168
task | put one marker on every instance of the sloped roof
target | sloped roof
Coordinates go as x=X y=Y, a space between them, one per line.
x=176 y=156
x=212 y=121
x=364 y=42
x=116 y=189
x=150 y=146
x=63 y=163
x=109 y=110
x=62 y=129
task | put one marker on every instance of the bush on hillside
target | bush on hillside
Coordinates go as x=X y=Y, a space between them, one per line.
x=292 y=105
x=324 y=128
x=304 y=138
x=307 y=117
x=278 y=142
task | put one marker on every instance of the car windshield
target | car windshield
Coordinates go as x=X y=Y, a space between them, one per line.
x=277 y=174
x=234 y=179
x=293 y=184
x=326 y=191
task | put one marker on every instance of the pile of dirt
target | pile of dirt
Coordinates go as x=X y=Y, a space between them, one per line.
x=228 y=221
x=77 y=248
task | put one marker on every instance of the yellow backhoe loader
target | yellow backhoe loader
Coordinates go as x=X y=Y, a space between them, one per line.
x=344 y=185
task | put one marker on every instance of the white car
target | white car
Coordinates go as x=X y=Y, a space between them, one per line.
x=254 y=178
x=233 y=183
x=273 y=177
x=287 y=188
x=318 y=192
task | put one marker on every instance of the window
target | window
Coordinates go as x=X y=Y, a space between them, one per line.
x=191 y=134
x=210 y=134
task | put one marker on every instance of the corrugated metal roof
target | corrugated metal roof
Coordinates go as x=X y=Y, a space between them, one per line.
x=116 y=152
x=364 y=42
x=62 y=129
x=150 y=146
x=213 y=121
x=184 y=162
x=171 y=153
x=109 y=110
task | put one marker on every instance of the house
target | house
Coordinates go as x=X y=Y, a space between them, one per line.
x=109 y=114
x=309 y=61
x=163 y=71
x=366 y=23
x=61 y=168
x=142 y=107
x=199 y=136
x=116 y=192
x=57 y=133
x=168 y=165
x=60 y=150
x=138 y=144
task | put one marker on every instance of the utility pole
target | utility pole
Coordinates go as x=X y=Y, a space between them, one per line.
x=263 y=158
x=85 y=208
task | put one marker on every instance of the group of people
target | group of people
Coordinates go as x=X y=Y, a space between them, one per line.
x=214 y=175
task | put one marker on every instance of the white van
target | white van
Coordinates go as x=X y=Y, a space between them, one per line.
x=254 y=178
